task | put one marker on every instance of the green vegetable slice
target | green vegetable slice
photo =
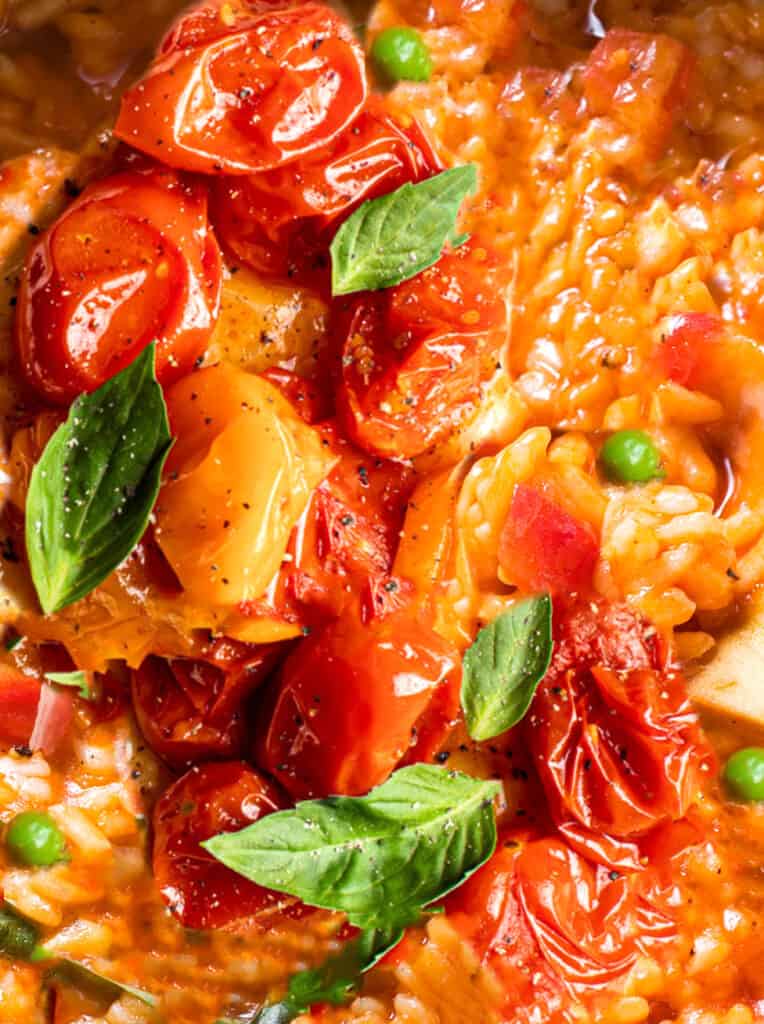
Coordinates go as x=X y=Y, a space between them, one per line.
x=71 y=972
x=18 y=937
x=395 y=237
x=92 y=491
x=407 y=843
x=504 y=665
x=79 y=680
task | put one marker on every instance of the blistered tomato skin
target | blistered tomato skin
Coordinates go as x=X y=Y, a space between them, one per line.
x=207 y=800
x=133 y=260
x=245 y=86
x=352 y=700
x=413 y=357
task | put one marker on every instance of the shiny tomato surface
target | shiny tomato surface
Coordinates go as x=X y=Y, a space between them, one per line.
x=612 y=734
x=351 y=700
x=209 y=799
x=413 y=357
x=19 y=699
x=131 y=261
x=245 y=86
x=191 y=710
x=282 y=221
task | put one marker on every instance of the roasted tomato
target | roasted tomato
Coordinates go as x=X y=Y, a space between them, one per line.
x=413 y=357
x=191 y=710
x=209 y=799
x=641 y=80
x=19 y=700
x=241 y=86
x=613 y=736
x=129 y=262
x=351 y=700
x=276 y=221
x=542 y=546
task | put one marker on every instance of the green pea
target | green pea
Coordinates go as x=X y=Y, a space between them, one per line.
x=744 y=774
x=630 y=457
x=33 y=838
x=400 y=54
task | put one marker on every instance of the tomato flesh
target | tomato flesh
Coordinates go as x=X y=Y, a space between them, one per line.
x=19 y=698
x=350 y=703
x=129 y=262
x=246 y=86
x=210 y=799
x=683 y=344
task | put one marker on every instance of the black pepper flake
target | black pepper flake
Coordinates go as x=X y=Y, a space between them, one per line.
x=442 y=756
x=23 y=750
x=613 y=876
x=33 y=229
x=8 y=551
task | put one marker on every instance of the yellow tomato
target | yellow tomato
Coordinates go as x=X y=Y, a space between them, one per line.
x=238 y=478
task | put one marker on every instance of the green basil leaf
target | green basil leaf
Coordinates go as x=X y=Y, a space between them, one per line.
x=392 y=238
x=71 y=972
x=78 y=679
x=407 y=843
x=13 y=641
x=92 y=491
x=503 y=667
x=18 y=936
x=334 y=982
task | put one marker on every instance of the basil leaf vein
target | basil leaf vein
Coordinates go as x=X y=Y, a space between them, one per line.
x=393 y=238
x=79 y=680
x=407 y=843
x=93 y=489
x=504 y=665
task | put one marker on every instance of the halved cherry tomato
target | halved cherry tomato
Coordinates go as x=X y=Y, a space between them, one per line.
x=413 y=357
x=241 y=86
x=683 y=343
x=641 y=80
x=543 y=547
x=19 y=699
x=277 y=221
x=129 y=262
x=350 y=702
x=210 y=799
x=191 y=710
x=612 y=734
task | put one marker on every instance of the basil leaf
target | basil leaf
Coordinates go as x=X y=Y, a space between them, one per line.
x=407 y=843
x=336 y=980
x=503 y=667
x=18 y=936
x=73 y=973
x=13 y=641
x=92 y=491
x=78 y=679
x=392 y=238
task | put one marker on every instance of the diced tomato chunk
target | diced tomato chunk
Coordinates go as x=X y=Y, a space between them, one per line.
x=682 y=344
x=19 y=698
x=544 y=547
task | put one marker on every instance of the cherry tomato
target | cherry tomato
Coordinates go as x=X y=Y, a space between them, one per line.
x=191 y=710
x=210 y=799
x=277 y=221
x=19 y=698
x=413 y=357
x=641 y=80
x=683 y=345
x=129 y=262
x=612 y=734
x=350 y=702
x=542 y=546
x=241 y=86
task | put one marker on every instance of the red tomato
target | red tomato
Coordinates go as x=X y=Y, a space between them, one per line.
x=413 y=357
x=350 y=702
x=544 y=547
x=190 y=710
x=683 y=344
x=641 y=80
x=276 y=221
x=241 y=86
x=131 y=261
x=207 y=800
x=612 y=734
x=19 y=698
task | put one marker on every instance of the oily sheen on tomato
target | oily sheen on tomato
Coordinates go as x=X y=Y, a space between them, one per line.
x=191 y=710
x=209 y=799
x=612 y=734
x=281 y=221
x=413 y=357
x=351 y=700
x=241 y=86
x=131 y=261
